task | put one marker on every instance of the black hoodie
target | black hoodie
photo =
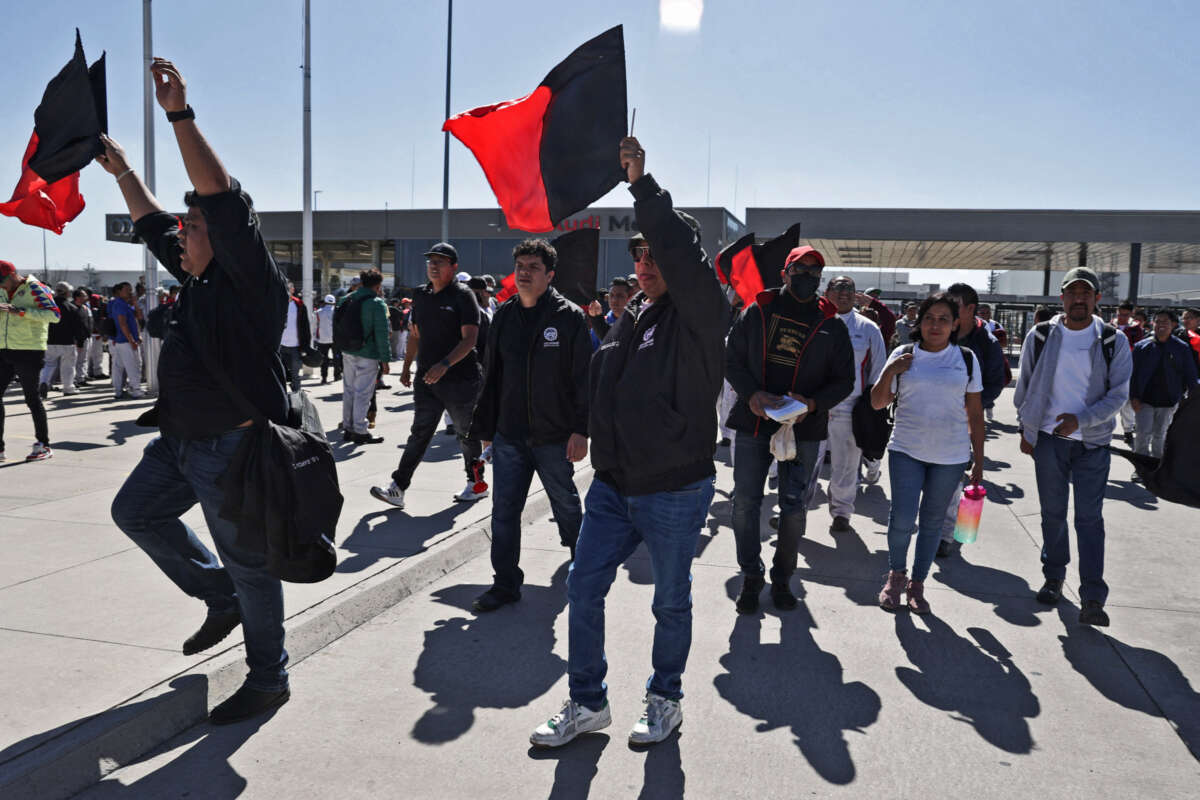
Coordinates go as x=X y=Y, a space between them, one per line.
x=655 y=380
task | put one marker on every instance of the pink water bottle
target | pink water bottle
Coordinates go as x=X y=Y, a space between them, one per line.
x=966 y=527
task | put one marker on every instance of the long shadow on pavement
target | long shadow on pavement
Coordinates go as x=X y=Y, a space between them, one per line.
x=503 y=659
x=857 y=567
x=395 y=535
x=1011 y=596
x=1138 y=678
x=976 y=681
x=577 y=765
x=795 y=684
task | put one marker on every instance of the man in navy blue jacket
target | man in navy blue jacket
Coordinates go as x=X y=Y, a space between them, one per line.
x=1163 y=371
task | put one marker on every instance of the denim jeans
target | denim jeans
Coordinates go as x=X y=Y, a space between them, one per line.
x=613 y=525
x=292 y=365
x=1152 y=424
x=173 y=476
x=457 y=398
x=1057 y=465
x=752 y=459
x=920 y=493
x=24 y=365
x=513 y=465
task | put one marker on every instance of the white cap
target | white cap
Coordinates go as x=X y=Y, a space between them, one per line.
x=462 y=277
x=330 y=299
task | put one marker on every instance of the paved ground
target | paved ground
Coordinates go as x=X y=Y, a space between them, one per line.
x=992 y=694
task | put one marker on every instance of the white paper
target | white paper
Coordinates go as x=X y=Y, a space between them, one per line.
x=791 y=408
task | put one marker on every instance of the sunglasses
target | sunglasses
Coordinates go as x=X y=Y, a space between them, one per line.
x=640 y=252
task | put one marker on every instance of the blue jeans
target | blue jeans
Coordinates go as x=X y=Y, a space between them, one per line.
x=513 y=465
x=751 y=461
x=1057 y=465
x=173 y=476
x=613 y=525
x=292 y=365
x=918 y=486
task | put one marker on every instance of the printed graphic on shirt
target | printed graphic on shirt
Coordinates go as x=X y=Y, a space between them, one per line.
x=648 y=338
x=550 y=335
x=785 y=340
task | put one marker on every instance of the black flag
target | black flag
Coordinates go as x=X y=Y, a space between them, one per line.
x=575 y=271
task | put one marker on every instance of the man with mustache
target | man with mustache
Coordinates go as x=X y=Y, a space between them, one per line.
x=1075 y=372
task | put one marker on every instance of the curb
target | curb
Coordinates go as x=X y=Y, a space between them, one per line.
x=85 y=754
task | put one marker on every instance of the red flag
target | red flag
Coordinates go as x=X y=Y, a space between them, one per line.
x=44 y=205
x=508 y=288
x=551 y=153
x=749 y=268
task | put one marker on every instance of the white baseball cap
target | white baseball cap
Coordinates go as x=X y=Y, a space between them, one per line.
x=330 y=299
x=462 y=277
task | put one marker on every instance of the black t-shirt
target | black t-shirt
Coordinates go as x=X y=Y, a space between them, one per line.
x=439 y=317
x=514 y=345
x=788 y=329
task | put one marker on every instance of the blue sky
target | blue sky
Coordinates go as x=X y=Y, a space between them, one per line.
x=879 y=104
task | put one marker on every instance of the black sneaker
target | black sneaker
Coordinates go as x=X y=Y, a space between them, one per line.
x=945 y=549
x=366 y=438
x=215 y=628
x=747 y=601
x=1051 y=592
x=247 y=703
x=449 y=431
x=1093 y=613
x=494 y=598
x=347 y=436
x=1128 y=439
x=782 y=597
x=840 y=525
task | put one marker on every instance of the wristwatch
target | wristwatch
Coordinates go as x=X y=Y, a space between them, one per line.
x=178 y=116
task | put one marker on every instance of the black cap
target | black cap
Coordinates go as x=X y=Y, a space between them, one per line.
x=1082 y=274
x=443 y=249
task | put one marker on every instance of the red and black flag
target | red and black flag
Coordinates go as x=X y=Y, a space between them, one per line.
x=66 y=137
x=749 y=268
x=574 y=270
x=553 y=152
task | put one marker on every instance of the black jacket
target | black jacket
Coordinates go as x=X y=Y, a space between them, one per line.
x=825 y=373
x=71 y=327
x=655 y=380
x=303 y=326
x=556 y=371
x=990 y=354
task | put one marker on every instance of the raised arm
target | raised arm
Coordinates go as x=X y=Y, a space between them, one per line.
x=204 y=169
x=138 y=198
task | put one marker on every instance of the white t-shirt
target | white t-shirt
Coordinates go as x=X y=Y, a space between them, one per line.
x=931 y=412
x=1068 y=391
x=325 y=324
x=291 y=333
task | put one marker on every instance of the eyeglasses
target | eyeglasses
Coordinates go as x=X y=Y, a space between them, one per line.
x=640 y=252
x=842 y=288
x=796 y=268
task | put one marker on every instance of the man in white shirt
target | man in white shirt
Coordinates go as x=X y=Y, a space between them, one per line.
x=324 y=339
x=869 y=355
x=295 y=338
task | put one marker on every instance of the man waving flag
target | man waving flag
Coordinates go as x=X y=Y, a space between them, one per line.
x=550 y=153
x=66 y=137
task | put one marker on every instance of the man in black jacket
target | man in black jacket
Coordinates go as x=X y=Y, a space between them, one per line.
x=652 y=419
x=788 y=343
x=230 y=317
x=63 y=340
x=533 y=410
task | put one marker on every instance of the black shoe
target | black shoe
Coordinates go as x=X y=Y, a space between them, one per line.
x=945 y=549
x=724 y=442
x=450 y=431
x=1093 y=614
x=1129 y=439
x=382 y=385
x=1051 y=592
x=215 y=628
x=494 y=598
x=840 y=525
x=247 y=703
x=752 y=586
x=773 y=523
x=347 y=436
x=782 y=597
x=366 y=438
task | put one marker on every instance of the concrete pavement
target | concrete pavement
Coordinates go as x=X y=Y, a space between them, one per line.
x=991 y=695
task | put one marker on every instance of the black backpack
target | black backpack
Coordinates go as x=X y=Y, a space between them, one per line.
x=158 y=320
x=348 y=335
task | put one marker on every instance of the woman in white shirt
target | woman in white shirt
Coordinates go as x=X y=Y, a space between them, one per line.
x=939 y=423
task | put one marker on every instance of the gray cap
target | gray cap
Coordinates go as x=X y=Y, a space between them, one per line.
x=1082 y=274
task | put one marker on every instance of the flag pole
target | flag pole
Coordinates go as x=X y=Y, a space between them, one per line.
x=446 y=134
x=151 y=265
x=306 y=253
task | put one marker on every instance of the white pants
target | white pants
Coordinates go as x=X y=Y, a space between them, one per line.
x=358 y=384
x=1128 y=418
x=1152 y=424
x=95 y=359
x=60 y=358
x=844 y=458
x=126 y=365
x=81 y=360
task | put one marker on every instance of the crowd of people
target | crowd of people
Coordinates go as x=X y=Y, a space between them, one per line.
x=535 y=382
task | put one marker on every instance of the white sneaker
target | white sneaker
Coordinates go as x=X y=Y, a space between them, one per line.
x=1 y=455
x=393 y=494
x=568 y=723
x=874 y=468
x=661 y=717
x=473 y=492
x=40 y=452
x=486 y=455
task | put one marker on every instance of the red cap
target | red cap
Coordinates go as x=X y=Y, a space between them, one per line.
x=800 y=252
x=6 y=269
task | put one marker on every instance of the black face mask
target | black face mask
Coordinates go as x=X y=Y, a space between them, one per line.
x=804 y=285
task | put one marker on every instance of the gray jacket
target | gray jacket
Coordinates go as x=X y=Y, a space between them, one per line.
x=1108 y=388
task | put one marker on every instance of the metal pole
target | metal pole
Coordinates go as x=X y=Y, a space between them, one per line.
x=306 y=252
x=708 y=175
x=1135 y=270
x=446 y=135
x=45 y=266
x=151 y=265
x=1046 y=269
